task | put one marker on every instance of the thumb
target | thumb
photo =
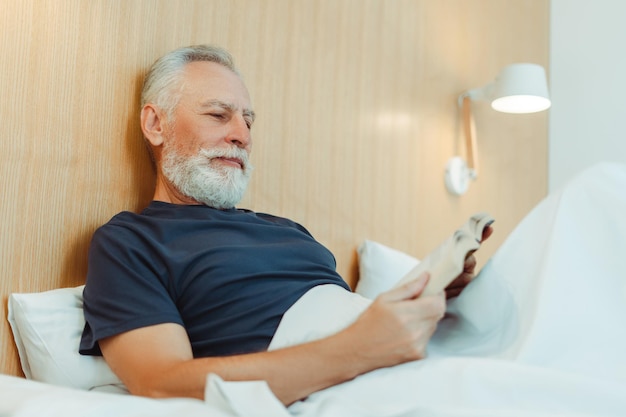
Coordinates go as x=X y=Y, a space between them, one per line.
x=408 y=291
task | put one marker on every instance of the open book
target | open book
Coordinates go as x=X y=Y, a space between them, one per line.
x=446 y=262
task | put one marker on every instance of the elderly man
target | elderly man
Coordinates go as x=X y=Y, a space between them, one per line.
x=192 y=285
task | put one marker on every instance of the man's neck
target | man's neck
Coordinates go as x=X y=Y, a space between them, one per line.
x=166 y=192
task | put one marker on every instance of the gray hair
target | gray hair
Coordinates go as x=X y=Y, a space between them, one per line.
x=162 y=84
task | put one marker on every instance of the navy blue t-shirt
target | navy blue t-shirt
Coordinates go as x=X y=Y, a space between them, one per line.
x=227 y=276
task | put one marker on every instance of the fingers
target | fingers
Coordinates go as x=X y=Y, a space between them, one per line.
x=487 y=231
x=470 y=264
x=399 y=323
x=434 y=306
x=425 y=313
x=408 y=291
x=452 y=292
x=460 y=282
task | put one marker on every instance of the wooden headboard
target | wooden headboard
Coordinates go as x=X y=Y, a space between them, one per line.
x=356 y=104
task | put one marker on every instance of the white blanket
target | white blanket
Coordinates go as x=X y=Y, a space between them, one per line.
x=540 y=332
x=20 y=397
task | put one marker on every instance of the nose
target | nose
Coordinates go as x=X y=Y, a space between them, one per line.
x=239 y=132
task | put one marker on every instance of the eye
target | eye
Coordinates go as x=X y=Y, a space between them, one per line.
x=219 y=116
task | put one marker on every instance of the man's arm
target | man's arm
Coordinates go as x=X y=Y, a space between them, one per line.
x=157 y=361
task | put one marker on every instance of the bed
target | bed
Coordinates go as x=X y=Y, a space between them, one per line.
x=540 y=332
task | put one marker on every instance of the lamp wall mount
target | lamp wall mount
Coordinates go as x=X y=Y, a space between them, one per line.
x=519 y=88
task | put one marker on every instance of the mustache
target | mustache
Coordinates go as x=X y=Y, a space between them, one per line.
x=234 y=153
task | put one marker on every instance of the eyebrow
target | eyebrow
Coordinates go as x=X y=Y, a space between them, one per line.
x=230 y=107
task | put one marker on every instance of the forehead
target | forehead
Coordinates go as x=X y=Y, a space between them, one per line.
x=204 y=82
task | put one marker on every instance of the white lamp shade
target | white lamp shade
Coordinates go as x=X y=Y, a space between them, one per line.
x=520 y=88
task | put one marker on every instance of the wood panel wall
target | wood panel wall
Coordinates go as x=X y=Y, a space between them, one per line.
x=356 y=104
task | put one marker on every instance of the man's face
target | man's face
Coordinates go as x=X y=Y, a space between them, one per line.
x=207 y=141
x=214 y=111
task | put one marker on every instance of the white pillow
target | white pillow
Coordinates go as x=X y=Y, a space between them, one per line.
x=47 y=327
x=380 y=268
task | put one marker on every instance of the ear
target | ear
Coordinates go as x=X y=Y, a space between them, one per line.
x=152 y=124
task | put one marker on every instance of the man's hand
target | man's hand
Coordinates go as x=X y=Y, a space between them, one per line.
x=397 y=326
x=460 y=282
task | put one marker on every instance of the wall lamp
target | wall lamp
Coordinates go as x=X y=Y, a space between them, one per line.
x=519 y=88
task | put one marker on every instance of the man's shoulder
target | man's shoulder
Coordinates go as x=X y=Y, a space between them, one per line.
x=122 y=226
x=127 y=218
x=121 y=219
x=282 y=221
x=272 y=218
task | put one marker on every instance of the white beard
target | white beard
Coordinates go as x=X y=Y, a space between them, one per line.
x=194 y=176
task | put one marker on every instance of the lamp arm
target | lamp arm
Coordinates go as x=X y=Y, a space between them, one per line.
x=469 y=130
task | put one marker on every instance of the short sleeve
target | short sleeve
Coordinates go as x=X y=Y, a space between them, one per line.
x=127 y=286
